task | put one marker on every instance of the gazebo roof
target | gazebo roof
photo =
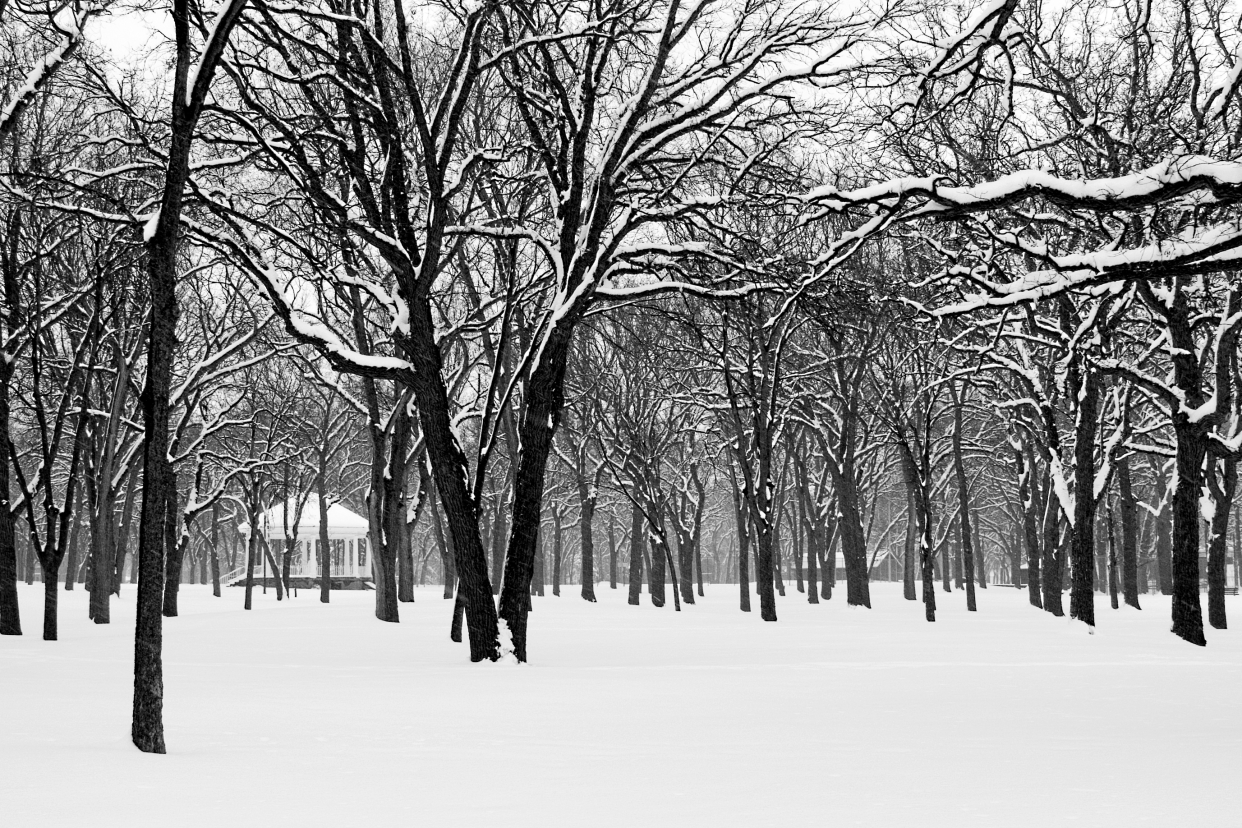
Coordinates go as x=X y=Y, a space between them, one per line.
x=340 y=519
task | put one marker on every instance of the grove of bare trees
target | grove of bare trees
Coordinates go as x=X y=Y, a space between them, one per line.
x=625 y=294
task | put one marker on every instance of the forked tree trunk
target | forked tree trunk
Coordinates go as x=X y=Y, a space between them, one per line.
x=270 y=560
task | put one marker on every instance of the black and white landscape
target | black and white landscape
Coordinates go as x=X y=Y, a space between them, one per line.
x=620 y=412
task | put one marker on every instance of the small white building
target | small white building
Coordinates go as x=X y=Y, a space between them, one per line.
x=347 y=542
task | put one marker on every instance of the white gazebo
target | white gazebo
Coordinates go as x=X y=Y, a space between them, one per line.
x=347 y=544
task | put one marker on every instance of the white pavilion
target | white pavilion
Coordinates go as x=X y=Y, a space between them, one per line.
x=347 y=544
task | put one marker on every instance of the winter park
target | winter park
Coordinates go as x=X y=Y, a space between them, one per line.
x=620 y=412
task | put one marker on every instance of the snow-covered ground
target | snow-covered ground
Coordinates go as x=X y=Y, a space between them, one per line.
x=302 y=714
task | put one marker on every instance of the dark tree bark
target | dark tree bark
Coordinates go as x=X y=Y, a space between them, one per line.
x=392 y=516
x=1129 y=533
x=71 y=560
x=743 y=544
x=828 y=577
x=1191 y=446
x=325 y=546
x=1030 y=532
x=1050 y=553
x=912 y=533
x=946 y=568
x=459 y=614
x=175 y=554
x=963 y=498
x=926 y=556
x=162 y=243
x=656 y=575
x=1164 y=542
x=10 y=611
x=1082 y=548
x=215 y=546
x=1112 y=559
x=405 y=566
x=1223 y=489
x=586 y=515
x=636 y=555
x=853 y=542
x=270 y=563
x=612 y=551
x=557 y=550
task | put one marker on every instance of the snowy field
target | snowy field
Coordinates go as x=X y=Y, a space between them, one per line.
x=301 y=714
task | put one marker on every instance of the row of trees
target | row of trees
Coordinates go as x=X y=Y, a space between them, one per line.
x=758 y=279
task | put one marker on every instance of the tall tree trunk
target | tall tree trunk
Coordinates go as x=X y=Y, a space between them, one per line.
x=963 y=499
x=71 y=562
x=743 y=546
x=946 y=568
x=926 y=556
x=405 y=565
x=252 y=548
x=1030 y=532
x=765 y=561
x=1191 y=447
x=908 y=550
x=557 y=550
x=636 y=555
x=1222 y=491
x=10 y=613
x=829 y=575
x=215 y=545
x=1112 y=559
x=612 y=551
x=1164 y=545
x=103 y=551
x=162 y=243
x=1082 y=549
x=392 y=516
x=175 y=554
x=813 y=540
x=325 y=545
x=1129 y=533
x=51 y=595
x=853 y=542
x=586 y=497
x=655 y=581
x=1050 y=563
x=685 y=564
